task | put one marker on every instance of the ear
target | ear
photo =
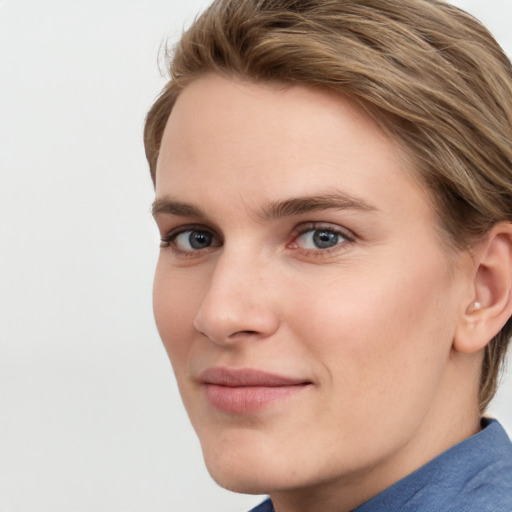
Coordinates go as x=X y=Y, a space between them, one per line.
x=491 y=303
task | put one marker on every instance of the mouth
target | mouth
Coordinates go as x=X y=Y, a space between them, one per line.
x=244 y=391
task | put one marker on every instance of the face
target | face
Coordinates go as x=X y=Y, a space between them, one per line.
x=303 y=293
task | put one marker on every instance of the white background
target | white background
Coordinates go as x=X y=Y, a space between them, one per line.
x=90 y=416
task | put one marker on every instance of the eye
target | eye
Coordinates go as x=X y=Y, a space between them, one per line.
x=320 y=238
x=190 y=240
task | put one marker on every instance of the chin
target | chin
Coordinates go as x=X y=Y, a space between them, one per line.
x=248 y=469
x=243 y=484
x=245 y=477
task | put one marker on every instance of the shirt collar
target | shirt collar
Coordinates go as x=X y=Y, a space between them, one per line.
x=459 y=471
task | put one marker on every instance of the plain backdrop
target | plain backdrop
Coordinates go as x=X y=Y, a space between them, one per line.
x=90 y=416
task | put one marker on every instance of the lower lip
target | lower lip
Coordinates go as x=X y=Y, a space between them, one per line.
x=248 y=399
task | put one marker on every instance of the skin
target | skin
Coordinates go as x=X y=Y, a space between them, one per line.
x=369 y=323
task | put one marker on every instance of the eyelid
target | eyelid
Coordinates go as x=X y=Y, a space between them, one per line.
x=168 y=239
x=303 y=228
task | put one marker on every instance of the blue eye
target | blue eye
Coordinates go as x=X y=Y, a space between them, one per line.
x=194 y=239
x=320 y=238
x=190 y=240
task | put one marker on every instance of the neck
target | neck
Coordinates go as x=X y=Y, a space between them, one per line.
x=452 y=418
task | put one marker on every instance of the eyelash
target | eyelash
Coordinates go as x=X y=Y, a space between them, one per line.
x=301 y=230
x=169 y=240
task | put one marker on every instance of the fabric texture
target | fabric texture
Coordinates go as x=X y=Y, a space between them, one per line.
x=472 y=476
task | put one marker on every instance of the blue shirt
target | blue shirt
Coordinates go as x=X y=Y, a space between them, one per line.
x=472 y=476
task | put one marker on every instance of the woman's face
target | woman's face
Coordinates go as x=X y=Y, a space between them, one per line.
x=303 y=292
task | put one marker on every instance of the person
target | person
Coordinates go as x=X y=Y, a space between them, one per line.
x=334 y=196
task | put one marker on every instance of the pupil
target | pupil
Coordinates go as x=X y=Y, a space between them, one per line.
x=324 y=239
x=200 y=239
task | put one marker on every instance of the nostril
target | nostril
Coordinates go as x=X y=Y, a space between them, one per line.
x=243 y=332
x=225 y=318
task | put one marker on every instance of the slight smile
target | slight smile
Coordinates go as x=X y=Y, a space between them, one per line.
x=245 y=390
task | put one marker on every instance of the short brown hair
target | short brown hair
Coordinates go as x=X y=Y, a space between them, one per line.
x=428 y=72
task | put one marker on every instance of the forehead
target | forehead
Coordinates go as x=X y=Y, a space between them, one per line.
x=256 y=141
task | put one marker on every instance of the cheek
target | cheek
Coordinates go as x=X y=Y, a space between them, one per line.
x=174 y=307
x=377 y=331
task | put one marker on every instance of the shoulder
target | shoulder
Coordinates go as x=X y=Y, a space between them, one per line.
x=266 y=506
x=473 y=476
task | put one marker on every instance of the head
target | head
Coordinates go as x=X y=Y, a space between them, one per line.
x=432 y=89
x=427 y=72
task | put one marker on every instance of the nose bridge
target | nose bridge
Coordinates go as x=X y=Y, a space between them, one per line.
x=238 y=299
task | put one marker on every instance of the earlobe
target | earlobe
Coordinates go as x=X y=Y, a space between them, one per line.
x=491 y=305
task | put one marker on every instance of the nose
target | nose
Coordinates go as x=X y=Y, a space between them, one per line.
x=238 y=303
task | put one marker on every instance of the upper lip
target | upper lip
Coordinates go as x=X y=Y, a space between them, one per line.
x=245 y=377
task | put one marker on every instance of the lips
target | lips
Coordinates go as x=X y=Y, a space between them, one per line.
x=243 y=391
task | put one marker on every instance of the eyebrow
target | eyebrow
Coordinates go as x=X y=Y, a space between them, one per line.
x=307 y=204
x=273 y=209
x=166 y=205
